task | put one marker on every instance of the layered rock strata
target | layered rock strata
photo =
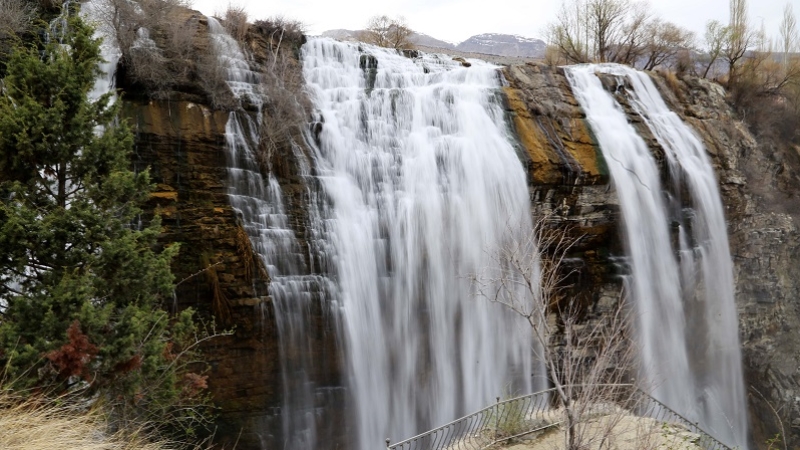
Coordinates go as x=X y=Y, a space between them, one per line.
x=762 y=211
x=182 y=140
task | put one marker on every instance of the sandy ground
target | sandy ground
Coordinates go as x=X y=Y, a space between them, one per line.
x=603 y=428
x=614 y=432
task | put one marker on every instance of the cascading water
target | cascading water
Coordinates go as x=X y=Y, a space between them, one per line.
x=258 y=200
x=94 y=11
x=421 y=177
x=695 y=369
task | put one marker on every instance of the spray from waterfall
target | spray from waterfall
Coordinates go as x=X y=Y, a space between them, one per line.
x=685 y=310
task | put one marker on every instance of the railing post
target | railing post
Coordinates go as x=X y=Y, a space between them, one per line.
x=387 y=443
x=497 y=418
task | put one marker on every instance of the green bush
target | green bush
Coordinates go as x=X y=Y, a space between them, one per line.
x=81 y=281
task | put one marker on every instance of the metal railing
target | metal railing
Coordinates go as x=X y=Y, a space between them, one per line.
x=650 y=407
x=534 y=413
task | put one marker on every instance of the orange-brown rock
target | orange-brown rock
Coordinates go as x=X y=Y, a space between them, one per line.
x=183 y=144
x=569 y=181
x=182 y=140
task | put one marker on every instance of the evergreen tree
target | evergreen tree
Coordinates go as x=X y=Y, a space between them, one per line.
x=81 y=281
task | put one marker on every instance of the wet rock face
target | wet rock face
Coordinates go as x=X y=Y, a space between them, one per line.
x=183 y=145
x=182 y=141
x=762 y=213
x=569 y=180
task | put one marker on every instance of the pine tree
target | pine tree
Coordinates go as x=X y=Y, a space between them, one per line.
x=81 y=281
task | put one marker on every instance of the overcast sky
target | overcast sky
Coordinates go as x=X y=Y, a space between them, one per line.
x=457 y=20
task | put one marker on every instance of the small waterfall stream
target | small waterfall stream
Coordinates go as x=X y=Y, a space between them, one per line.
x=685 y=310
x=258 y=199
x=94 y=11
x=421 y=179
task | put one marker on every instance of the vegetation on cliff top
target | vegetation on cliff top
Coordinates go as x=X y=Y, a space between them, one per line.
x=82 y=281
x=762 y=75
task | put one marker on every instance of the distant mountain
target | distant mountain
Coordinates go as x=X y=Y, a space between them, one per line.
x=489 y=43
x=416 y=38
x=430 y=41
x=340 y=34
x=504 y=45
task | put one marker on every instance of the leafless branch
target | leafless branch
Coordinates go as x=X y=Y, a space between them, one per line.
x=586 y=358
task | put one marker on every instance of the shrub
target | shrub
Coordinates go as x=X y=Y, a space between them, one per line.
x=766 y=93
x=236 y=23
x=279 y=30
x=155 y=38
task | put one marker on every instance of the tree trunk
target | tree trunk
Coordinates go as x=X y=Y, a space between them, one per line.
x=62 y=184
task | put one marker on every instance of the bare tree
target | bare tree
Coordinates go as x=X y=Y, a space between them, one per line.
x=619 y=31
x=16 y=17
x=788 y=34
x=631 y=47
x=664 y=41
x=286 y=106
x=388 y=32
x=286 y=110
x=715 y=38
x=740 y=37
x=606 y=20
x=156 y=41
x=569 y=32
x=587 y=358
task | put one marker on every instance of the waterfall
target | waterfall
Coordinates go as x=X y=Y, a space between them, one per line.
x=694 y=368
x=93 y=11
x=419 y=179
x=258 y=200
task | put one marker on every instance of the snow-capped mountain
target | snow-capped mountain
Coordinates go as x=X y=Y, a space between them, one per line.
x=504 y=45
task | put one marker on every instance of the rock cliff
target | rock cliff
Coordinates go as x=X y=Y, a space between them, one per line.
x=182 y=140
x=566 y=171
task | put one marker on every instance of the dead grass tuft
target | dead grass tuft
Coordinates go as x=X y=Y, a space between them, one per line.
x=40 y=424
x=253 y=268
x=220 y=305
x=673 y=82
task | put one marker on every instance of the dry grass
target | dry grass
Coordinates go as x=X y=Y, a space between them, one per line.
x=673 y=82
x=51 y=425
x=220 y=305
x=253 y=267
